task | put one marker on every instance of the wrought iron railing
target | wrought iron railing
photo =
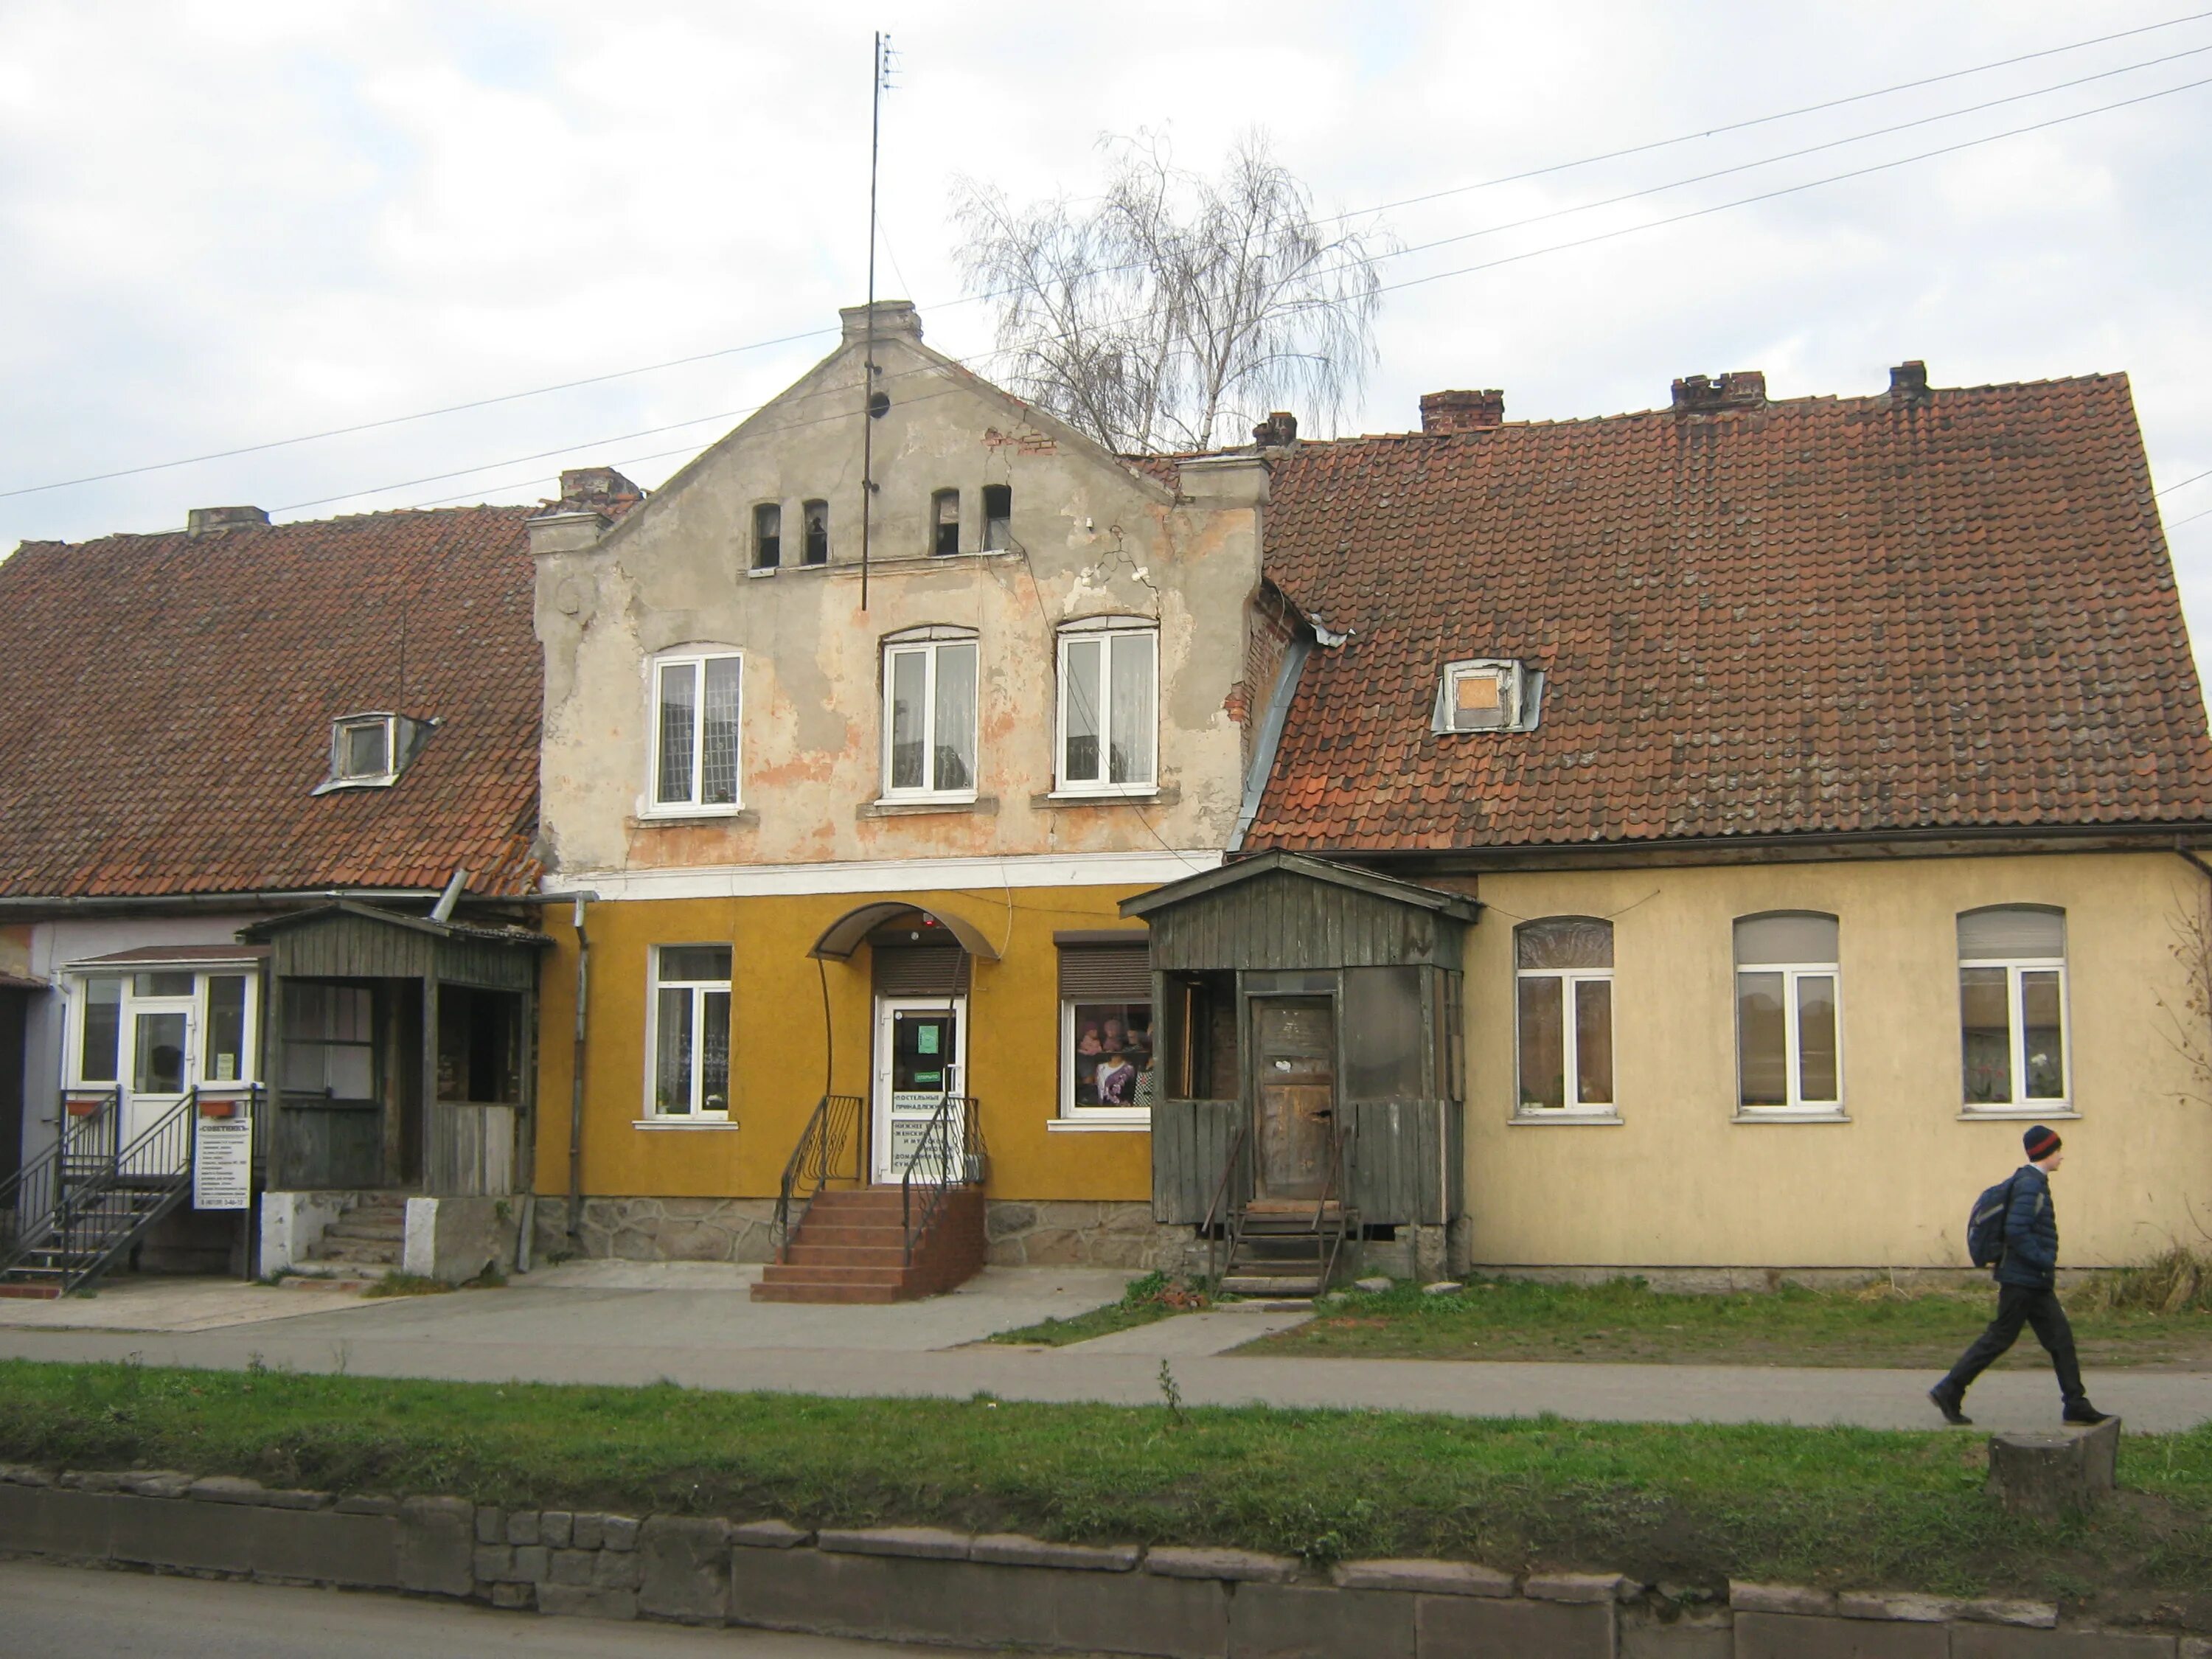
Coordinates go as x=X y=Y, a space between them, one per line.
x=831 y=1131
x=144 y=1179
x=950 y=1153
x=32 y=1198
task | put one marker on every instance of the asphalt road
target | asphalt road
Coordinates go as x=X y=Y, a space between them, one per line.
x=48 y=1611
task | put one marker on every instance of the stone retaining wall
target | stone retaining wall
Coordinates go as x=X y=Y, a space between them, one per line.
x=921 y=1584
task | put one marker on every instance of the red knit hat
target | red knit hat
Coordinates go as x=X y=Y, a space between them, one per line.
x=2040 y=1142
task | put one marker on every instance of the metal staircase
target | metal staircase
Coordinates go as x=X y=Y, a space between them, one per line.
x=79 y=1207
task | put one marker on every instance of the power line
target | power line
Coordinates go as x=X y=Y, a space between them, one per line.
x=2184 y=483
x=816 y=333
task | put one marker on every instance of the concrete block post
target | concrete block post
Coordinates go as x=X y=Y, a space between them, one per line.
x=686 y=1568
x=2047 y=1472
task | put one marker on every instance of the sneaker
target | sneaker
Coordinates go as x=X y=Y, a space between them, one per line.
x=2083 y=1412
x=1948 y=1403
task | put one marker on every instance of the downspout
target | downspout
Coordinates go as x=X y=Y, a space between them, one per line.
x=1271 y=734
x=576 y=1081
x=2189 y=855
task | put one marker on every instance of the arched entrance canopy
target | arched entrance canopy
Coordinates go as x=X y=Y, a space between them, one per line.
x=844 y=935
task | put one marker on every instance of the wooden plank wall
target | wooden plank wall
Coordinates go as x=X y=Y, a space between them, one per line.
x=1282 y=920
x=1190 y=1140
x=1395 y=1151
x=323 y=1146
x=471 y=1151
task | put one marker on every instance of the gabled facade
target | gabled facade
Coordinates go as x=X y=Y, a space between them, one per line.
x=855 y=829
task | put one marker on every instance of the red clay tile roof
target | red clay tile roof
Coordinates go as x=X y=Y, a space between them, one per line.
x=1819 y=615
x=166 y=706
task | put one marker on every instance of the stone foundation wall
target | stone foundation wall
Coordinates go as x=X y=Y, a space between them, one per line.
x=1068 y=1233
x=1000 y=1590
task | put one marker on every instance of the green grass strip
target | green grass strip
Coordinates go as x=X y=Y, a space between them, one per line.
x=1695 y=1505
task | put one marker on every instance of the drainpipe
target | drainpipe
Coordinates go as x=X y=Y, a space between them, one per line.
x=2189 y=856
x=576 y=1082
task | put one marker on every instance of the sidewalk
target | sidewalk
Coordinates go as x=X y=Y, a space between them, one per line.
x=714 y=1338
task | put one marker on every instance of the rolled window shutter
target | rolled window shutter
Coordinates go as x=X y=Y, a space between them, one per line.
x=1106 y=973
x=928 y=972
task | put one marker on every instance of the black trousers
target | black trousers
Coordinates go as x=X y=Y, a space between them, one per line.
x=2018 y=1305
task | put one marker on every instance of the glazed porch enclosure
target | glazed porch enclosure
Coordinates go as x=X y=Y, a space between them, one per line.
x=400 y=1050
x=1310 y=1048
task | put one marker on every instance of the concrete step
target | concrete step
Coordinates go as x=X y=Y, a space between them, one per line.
x=26 y=1290
x=395 y=1230
x=1258 y=1284
x=842 y=1295
x=327 y=1249
x=793 y=1272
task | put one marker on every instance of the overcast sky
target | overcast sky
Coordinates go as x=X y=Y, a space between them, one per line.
x=230 y=222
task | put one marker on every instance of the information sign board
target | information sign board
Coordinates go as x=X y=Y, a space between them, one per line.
x=223 y=1165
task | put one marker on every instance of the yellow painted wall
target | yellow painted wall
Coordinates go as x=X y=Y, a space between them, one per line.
x=1678 y=1184
x=777 y=1039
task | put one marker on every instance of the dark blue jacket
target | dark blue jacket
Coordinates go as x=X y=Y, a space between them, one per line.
x=2031 y=1252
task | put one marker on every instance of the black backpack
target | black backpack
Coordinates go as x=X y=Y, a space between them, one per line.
x=1985 y=1223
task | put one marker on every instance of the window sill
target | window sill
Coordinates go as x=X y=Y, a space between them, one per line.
x=1102 y=1123
x=1156 y=795
x=2016 y=1114
x=914 y=806
x=682 y=1123
x=1529 y=1120
x=1783 y=1115
x=740 y=815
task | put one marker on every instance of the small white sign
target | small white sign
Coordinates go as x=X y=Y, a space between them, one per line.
x=223 y=1165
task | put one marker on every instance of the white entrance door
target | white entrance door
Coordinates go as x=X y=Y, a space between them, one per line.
x=922 y=1057
x=162 y=1060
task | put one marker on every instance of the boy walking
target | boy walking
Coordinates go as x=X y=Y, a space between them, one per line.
x=2027 y=1276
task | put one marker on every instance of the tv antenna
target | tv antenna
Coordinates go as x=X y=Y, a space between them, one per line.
x=872 y=402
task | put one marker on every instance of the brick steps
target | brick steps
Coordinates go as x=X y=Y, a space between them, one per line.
x=851 y=1248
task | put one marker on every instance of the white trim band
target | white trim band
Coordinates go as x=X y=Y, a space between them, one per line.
x=890 y=875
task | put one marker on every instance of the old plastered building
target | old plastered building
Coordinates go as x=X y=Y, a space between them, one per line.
x=855 y=832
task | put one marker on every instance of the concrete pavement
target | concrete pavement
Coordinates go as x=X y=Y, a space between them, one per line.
x=716 y=1339
x=78 y=1610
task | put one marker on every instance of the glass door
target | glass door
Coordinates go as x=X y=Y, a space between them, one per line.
x=163 y=1032
x=921 y=1059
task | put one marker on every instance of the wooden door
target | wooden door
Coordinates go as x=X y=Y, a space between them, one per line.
x=1294 y=1092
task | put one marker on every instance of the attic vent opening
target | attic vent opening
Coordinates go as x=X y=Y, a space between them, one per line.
x=370 y=751
x=1487 y=694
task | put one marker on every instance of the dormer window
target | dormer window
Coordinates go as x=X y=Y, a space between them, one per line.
x=370 y=751
x=1487 y=694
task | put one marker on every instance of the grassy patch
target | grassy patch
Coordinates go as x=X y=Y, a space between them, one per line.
x=1153 y=1296
x=1693 y=1504
x=1625 y=1321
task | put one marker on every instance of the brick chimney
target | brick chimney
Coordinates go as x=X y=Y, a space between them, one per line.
x=1462 y=411
x=1908 y=383
x=206 y=520
x=601 y=488
x=1279 y=431
x=895 y=319
x=1740 y=388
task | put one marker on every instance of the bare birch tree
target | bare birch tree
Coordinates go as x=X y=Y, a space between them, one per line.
x=1176 y=307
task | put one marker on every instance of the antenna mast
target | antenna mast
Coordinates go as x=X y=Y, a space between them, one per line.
x=877 y=76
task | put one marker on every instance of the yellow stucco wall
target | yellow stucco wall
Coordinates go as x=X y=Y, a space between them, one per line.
x=778 y=1046
x=1679 y=1183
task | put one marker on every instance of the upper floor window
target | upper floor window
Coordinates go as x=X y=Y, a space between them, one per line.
x=998 y=517
x=1786 y=979
x=817 y=549
x=944 y=522
x=1108 y=702
x=929 y=715
x=1487 y=694
x=694 y=719
x=2012 y=1006
x=1563 y=971
x=767 y=535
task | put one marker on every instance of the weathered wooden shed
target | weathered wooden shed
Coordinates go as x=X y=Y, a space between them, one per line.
x=399 y=1049
x=1309 y=1043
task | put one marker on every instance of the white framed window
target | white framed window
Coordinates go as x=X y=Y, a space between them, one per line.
x=689 y=1040
x=2012 y=1008
x=163 y=1029
x=1563 y=971
x=1109 y=734
x=696 y=709
x=1107 y=1069
x=929 y=716
x=1788 y=1023
x=1487 y=694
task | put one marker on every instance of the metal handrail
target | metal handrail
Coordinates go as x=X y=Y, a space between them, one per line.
x=32 y=1197
x=959 y=1166
x=833 y=1125
x=1229 y=1168
x=160 y=1159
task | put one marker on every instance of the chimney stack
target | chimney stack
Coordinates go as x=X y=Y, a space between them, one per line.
x=601 y=488
x=1908 y=383
x=1702 y=394
x=1462 y=411
x=206 y=520
x=895 y=319
x=1279 y=431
